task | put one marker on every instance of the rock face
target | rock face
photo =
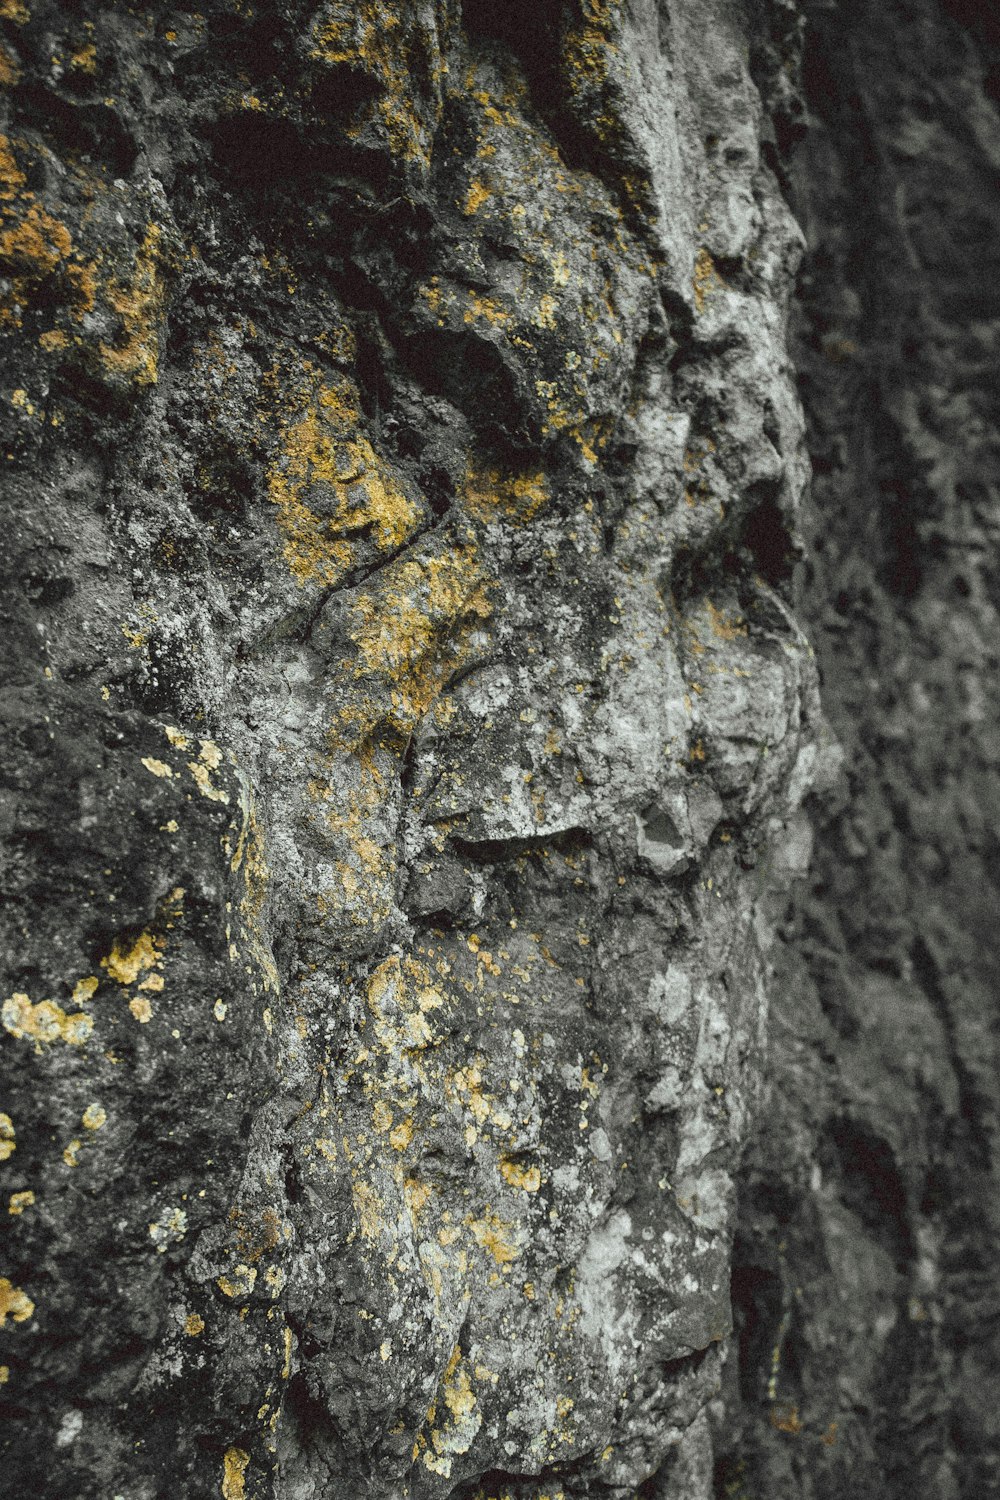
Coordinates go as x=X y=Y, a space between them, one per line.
x=865 y=1282
x=427 y=1069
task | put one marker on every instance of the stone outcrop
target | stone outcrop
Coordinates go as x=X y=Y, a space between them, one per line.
x=497 y=876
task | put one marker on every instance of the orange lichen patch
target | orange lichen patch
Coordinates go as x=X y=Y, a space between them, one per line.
x=85 y=989
x=328 y=482
x=570 y=416
x=36 y=249
x=84 y=60
x=527 y=1178
x=400 y=996
x=486 y=310
x=477 y=195
x=16 y=11
x=240 y=1283
x=9 y=71
x=125 y=965
x=8 y=1138
x=453 y=1420
x=695 y=456
x=705 y=279
x=14 y=1303
x=401 y=1135
x=20 y=1201
x=139 y=304
x=415 y=1195
x=407 y=633
x=494 y=1235
x=194 y=1325
x=589 y=50
x=368 y=1207
x=784 y=1417
x=45 y=1022
x=378 y=38
x=587 y=45
x=234 y=1469
x=94 y=1117
x=255 y=1235
x=518 y=497
x=723 y=628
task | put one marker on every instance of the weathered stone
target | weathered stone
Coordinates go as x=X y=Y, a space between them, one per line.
x=413 y=737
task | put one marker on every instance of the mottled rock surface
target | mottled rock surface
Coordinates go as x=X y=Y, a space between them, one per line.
x=428 y=1070
x=865 y=1270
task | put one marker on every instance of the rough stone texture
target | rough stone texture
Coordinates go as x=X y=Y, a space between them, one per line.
x=865 y=1280
x=412 y=737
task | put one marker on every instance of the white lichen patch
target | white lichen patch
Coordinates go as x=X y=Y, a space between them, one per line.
x=169 y=1229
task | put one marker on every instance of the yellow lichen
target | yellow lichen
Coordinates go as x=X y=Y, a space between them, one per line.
x=14 y=1303
x=194 y=1325
x=141 y=1009
x=126 y=964
x=10 y=73
x=416 y=1195
x=589 y=50
x=8 y=1139
x=725 y=629
x=203 y=781
x=373 y=36
x=485 y=309
x=85 y=59
x=94 y=1117
x=234 y=1468
x=368 y=1208
x=20 y=1201
x=527 y=1178
x=156 y=767
x=139 y=304
x=36 y=250
x=240 y=1284
x=477 y=195
x=494 y=1236
x=784 y=1417
x=44 y=1022
x=488 y=494
x=329 y=483
x=705 y=279
x=405 y=632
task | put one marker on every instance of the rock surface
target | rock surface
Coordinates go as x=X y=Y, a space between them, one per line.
x=427 y=1069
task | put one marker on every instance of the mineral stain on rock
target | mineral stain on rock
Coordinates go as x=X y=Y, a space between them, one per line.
x=436 y=1062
